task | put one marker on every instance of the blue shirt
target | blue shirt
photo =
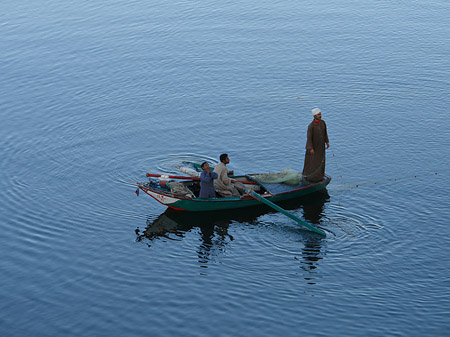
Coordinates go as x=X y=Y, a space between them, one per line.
x=206 y=184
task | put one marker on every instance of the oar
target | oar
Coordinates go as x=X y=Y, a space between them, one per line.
x=281 y=210
x=165 y=176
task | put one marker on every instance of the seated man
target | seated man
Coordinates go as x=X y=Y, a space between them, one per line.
x=223 y=184
x=207 y=182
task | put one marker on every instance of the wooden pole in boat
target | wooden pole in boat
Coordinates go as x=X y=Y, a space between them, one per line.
x=165 y=176
x=281 y=210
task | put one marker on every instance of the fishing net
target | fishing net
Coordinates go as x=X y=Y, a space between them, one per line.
x=287 y=176
x=180 y=189
x=192 y=168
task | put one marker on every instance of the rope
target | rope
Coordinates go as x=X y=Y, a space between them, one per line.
x=336 y=162
x=377 y=181
x=340 y=176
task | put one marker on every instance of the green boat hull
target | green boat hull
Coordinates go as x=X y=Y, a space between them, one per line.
x=220 y=204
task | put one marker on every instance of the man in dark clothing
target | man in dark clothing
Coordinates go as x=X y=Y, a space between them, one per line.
x=207 y=182
x=314 y=166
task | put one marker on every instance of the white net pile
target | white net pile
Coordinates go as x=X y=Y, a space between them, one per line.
x=287 y=176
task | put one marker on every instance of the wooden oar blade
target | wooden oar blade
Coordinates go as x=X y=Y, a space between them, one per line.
x=165 y=176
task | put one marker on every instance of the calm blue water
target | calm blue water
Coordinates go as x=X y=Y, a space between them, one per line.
x=95 y=94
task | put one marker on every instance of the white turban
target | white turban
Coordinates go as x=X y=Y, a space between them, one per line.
x=315 y=111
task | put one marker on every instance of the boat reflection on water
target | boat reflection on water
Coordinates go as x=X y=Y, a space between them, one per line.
x=213 y=227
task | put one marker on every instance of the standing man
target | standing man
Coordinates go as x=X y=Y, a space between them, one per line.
x=206 y=182
x=314 y=166
x=223 y=184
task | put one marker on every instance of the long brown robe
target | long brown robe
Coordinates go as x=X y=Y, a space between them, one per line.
x=314 y=166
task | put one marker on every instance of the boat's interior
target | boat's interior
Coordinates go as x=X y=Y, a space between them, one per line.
x=243 y=184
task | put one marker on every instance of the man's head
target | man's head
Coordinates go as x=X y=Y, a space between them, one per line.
x=317 y=114
x=205 y=166
x=224 y=158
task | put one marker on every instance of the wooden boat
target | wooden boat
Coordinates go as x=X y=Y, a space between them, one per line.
x=181 y=193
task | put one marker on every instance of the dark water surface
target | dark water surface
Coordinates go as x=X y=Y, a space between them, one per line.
x=94 y=95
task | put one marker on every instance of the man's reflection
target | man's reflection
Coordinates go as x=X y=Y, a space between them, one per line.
x=213 y=230
x=313 y=210
x=214 y=239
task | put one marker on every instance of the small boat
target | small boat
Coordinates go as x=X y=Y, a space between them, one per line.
x=181 y=193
